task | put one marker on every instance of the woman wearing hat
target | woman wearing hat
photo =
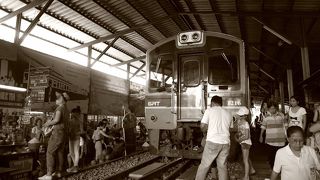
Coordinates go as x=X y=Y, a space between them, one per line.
x=243 y=137
x=57 y=139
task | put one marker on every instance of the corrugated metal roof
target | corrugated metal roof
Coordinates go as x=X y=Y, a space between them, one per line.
x=78 y=19
x=130 y=48
x=125 y=10
x=211 y=23
x=154 y=33
x=134 y=36
x=249 y=5
x=231 y=24
x=306 y=5
x=85 y=21
x=201 y=5
x=226 y=5
x=12 y=5
x=283 y=5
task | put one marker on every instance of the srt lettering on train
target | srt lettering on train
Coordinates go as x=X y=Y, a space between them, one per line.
x=154 y=103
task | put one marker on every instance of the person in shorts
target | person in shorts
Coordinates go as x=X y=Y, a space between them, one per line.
x=243 y=137
x=75 y=129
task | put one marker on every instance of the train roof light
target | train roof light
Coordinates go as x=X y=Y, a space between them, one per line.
x=190 y=39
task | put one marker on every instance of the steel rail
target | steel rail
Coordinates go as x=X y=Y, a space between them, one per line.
x=102 y=164
x=178 y=171
x=125 y=173
x=157 y=173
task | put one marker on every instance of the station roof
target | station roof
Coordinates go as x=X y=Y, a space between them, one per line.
x=273 y=31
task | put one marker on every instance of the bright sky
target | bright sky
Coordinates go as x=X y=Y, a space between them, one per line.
x=36 y=42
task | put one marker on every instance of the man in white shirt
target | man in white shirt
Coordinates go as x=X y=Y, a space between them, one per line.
x=295 y=161
x=216 y=121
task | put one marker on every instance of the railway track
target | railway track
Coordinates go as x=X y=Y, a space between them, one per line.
x=142 y=166
x=158 y=169
x=109 y=168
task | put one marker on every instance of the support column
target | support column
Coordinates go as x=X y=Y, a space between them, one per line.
x=305 y=62
x=128 y=82
x=18 y=25
x=281 y=93
x=90 y=78
x=89 y=56
x=276 y=95
x=290 y=82
x=304 y=59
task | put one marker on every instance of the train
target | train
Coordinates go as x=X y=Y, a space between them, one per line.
x=183 y=73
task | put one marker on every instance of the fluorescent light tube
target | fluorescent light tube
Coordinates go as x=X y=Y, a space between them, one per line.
x=12 y=88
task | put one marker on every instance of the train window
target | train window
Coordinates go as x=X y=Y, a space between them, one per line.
x=191 y=73
x=223 y=69
x=161 y=72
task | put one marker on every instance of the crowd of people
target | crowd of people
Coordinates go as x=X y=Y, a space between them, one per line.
x=290 y=154
x=291 y=141
x=67 y=139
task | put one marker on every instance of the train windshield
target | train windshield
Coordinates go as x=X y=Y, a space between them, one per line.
x=161 y=69
x=223 y=69
x=223 y=61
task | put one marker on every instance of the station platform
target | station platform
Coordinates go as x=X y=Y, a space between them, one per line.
x=258 y=157
x=259 y=160
x=260 y=163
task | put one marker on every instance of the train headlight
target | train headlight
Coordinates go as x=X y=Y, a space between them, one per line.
x=195 y=36
x=190 y=39
x=153 y=118
x=184 y=37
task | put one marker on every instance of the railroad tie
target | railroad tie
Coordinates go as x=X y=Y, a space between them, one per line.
x=189 y=174
x=145 y=170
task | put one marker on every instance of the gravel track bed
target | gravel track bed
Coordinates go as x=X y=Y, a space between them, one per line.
x=112 y=168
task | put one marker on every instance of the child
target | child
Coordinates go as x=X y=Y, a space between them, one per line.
x=97 y=139
x=243 y=137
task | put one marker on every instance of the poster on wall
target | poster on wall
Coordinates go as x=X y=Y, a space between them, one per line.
x=48 y=74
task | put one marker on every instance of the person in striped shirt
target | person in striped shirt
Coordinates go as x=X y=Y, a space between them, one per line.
x=273 y=125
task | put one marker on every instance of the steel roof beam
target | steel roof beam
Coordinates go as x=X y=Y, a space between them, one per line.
x=21 y=10
x=130 y=3
x=122 y=19
x=55 y=16
x=314 y=76
x=272 y=31
x=213 y=5
x=67 y=38
x=262 y=37
x=104 y=51
x=117 y=34
x=262 y=88
x=94 y=20
x=197 y=16
x=241 y=19
x=269 y=57
x=265 y=13
x=175 y=19
x=129 y=61
x=34 y=22
x=264 y=72
x=185 y=19
x=280 y=50
x=138 y=70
